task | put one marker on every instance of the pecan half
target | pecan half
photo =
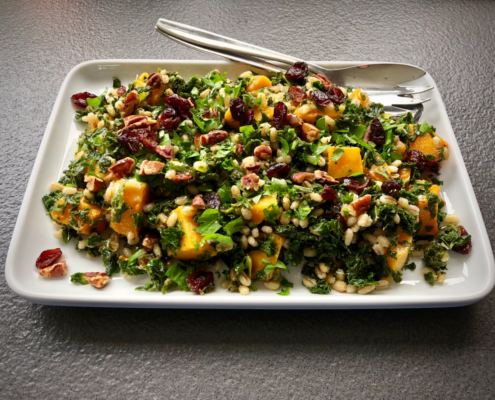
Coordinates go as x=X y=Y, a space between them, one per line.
x=149 y=241
x=198 y=202
x=250 y=166
x=213 y=137
x=93 y=183
x=97 y=279
x=360 y=206
x=131 y=104
x=300 y=177
x=294 y=120
x=147 y=138
x=250 y=182
x=310 y=132
x=154 y=80
x=263 y=152
x=239 y=149
x=122 y=167
x=322 y=177
x=166 y=152
x=182 y=177
x=135 y=122
x=55 y=270
x=151 y=167
x=323 y=79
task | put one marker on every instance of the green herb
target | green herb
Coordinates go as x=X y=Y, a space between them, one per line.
x=79 y=278
x=271 y=213
x=337 y=154
x=170 y=238
x=430 y=278
x=285 y=146
x=208 y=222
x=117 y=84
x=234 y=226
x=179 y=276
x=267 y=244
x=450 y=236
x=284 y=292
x=269 y=267
x=119 y=205
x=322 y=287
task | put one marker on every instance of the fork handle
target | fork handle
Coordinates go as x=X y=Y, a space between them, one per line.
x=217 y=42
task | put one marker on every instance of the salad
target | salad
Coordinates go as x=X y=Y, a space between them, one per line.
x=247 y=179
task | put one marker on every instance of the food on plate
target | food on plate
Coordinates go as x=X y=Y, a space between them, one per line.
x=252 y=177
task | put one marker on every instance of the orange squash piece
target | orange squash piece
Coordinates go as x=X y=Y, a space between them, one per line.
x=258 y=116
x=95 y=213
x=155 y=97
x=136 y=195
x=430 y=225
x=231 y=122
x=349 y=163
x=257 y=256
x=310 y=113
x=190 y=240
x=402 y=251
x=258 y=82
x=405 y=175
x=366 y=102
x=258 y=216
x=378 y=172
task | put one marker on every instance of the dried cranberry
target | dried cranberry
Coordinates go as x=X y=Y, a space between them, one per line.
x=297 y=72
x=320 y=98
x=249 y=117
x=79 y=99
x=377 y=133
x=296 y=94
x=466 y=249
x=391 y=187
x=185 y=114
x=129 y=139
x=329 y=193
x=169 y=119
x=147 y=138
x=47 y=258
x=417 y=157
x=357 y=183
x=200 y=281
x=207 y=114
x=121 y=91
x=279 y=115
x=179 y=103
x=213 y=201
x=336 y=95
x=279 y=170
x=238 y=108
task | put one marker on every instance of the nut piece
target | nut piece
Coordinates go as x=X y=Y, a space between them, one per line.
x=198 y=201
x=263 y=152
x=182 y=177
x=136 y=122
x=131 y=104
x=149 y=241
x=151 y=167
x=97 y=279
x=93 y=183
x=239 y=149
x=154 y=80
x=300 y=177
x=55 y=270
x=310 y=132
x=122 y=167
x=251 y=167
x=360 y=206
x=250 y=182
x=323 y=79
x=322 y=177
x=166 y=152
x=213 y=137
x=294 y=120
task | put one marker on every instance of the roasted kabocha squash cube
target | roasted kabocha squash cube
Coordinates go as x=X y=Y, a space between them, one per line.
x=405 y=175
x=189 y=244
x=258 y=215
x=401 y=252
x=349 y=163
x=95 y=214
x=379 y=171
x=258 y=82
x=429 y=225
x=231 y=122
x=131 y=195
x=257 y=256
x=426 y=145
x=308 y=112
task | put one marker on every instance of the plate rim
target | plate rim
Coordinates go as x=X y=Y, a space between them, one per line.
x=97 y=300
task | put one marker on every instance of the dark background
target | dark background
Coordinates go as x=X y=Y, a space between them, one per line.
x=57 y=352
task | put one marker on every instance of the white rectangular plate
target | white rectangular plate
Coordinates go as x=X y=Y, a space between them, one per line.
x=469 y=278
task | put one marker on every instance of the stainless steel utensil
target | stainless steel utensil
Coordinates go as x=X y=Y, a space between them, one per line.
x=376 y=79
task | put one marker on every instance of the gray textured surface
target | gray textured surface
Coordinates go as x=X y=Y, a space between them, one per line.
x=49 y=352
